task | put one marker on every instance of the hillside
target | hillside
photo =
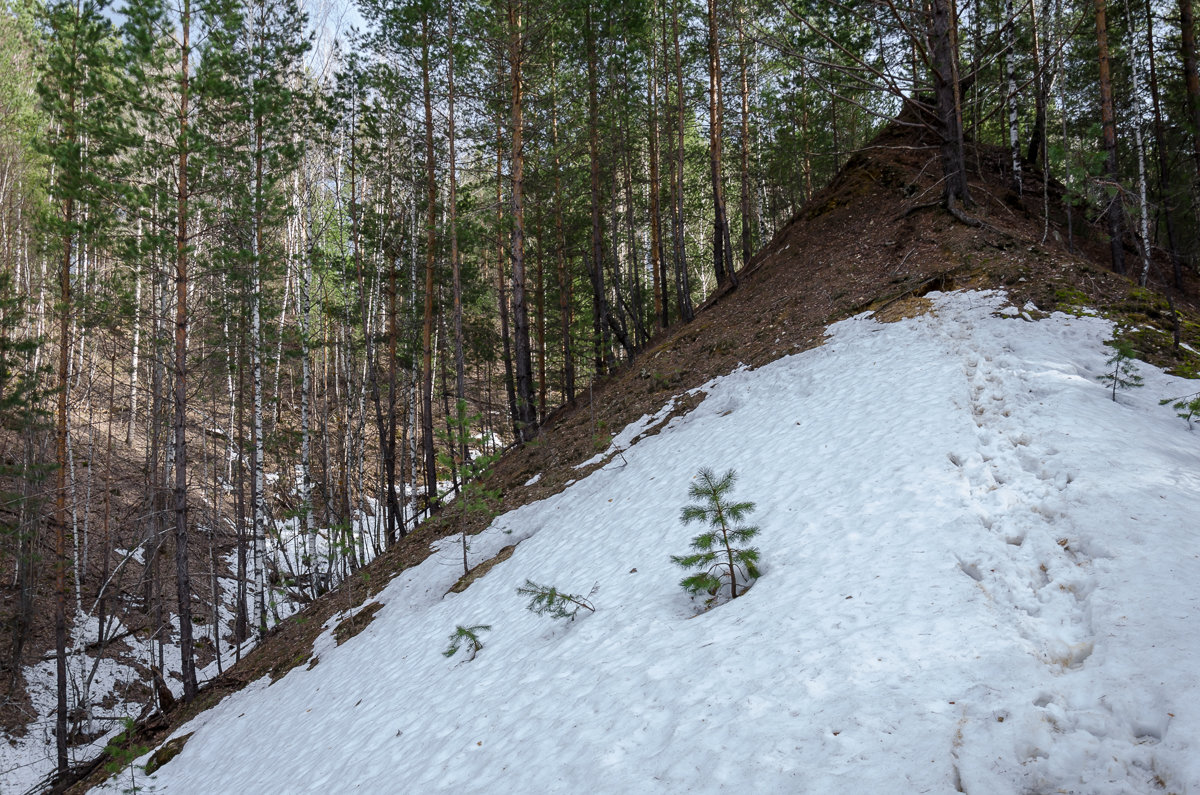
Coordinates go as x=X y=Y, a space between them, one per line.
x=956 y=594
x=872 y=457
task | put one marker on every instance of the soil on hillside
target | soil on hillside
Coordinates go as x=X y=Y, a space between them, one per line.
x=865 y=242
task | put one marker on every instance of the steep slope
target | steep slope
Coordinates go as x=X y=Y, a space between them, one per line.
x=859 y=244
x=979 y=575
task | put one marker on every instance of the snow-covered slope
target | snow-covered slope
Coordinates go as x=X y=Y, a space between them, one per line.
x=979 y=573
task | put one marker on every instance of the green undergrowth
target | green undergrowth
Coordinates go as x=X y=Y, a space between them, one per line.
x=1145 y=319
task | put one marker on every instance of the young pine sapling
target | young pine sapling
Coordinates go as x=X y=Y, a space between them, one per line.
x=548 y=600
x=121 y=751
x=1187 y=408
x=466 y=638
x=473 y=496
x=1121 y=374
x=719 y=557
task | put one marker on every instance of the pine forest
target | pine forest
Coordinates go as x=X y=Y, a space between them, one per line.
x=280 y=281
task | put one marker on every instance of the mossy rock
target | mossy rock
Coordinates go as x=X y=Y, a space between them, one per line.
x=169 y=751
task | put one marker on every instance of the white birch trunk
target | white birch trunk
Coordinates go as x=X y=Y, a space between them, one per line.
x=137 y=339
x=1143 y=206
x=257 y=501
x=304 y=287
x=287 y=291
x=1010 y=52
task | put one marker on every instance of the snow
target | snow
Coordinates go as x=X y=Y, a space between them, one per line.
x=111 y=684
x=632 y=432
x=979 y=573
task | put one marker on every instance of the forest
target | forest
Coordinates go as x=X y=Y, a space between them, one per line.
x=274 y=278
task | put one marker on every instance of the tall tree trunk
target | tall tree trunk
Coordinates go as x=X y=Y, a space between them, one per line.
x=1143 y=206
x=604 y=320
x=639 y=326
x=1114 y=213
x=526 y=417
x=596 y=260
x=182 y=580
x=1191 y=78
x=1041 y=63
x=460 y=390
x=560 y=244
x=510 y=389
x=304 y=293
x=722 y=250
x=658 y=268
x=241 y=629
x=1062 y=106
x=137 y=339
x=391 y=256
x=1160 y=147
x=943 y=40
x=540 y=308
x=683 y=285
x=60 y=492
x=1010 y=97
x=258 y=503
x=744 y=84
x=430 y=241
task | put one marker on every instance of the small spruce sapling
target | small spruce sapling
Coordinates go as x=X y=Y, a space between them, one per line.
x=548 y=600
x=719 y=554
x=466 y=638
x=1122 y=374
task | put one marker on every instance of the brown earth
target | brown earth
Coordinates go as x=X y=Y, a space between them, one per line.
x=862 y=243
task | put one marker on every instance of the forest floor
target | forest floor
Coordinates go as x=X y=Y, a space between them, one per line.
x=858 y=245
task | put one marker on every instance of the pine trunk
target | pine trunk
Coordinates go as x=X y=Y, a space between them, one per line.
x=1191 y=78
x=596 y=260
x=183 y=584
x=460 y=390
x=1037 y=136
x=744 y=83
x=1164 y=167
x=525 y=419
x=658 y=266
x=722 y=250
x=501 y=281
x=560 y=244
x=949 y=110
x=1143 y=207
x=430 y=240
x=60 y=492
x=1114 y=212
x=683 y=287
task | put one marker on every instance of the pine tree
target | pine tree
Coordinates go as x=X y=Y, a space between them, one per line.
x=178 y=57
x=466 y=638
x=719 y=555
x=548 y=600
x=76 y=88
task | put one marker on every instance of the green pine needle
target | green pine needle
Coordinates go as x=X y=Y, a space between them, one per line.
x=723 y=562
